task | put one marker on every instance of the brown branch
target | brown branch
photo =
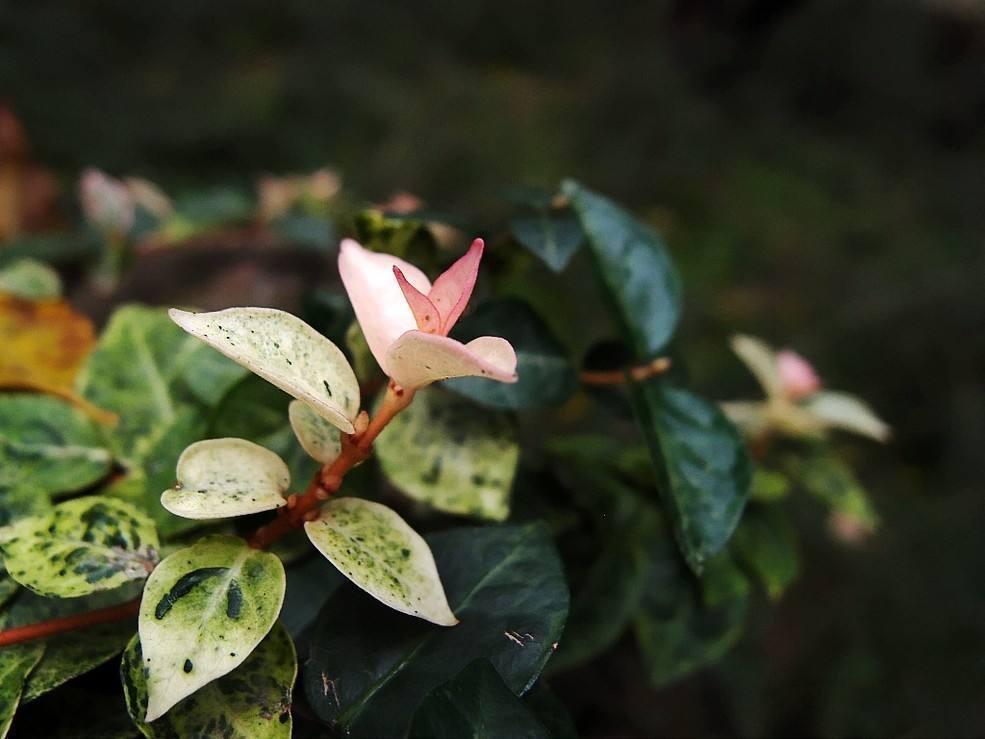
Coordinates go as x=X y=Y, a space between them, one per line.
x=30 y=632
x=620 y=376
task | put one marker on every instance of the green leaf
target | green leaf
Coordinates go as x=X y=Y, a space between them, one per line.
x=16 y=663
x=69 y=655
x=828 y=478
x=552 y=235
x=251 y=702
x=702 y=466
x=304 y=230
x=138 y=371
x=476 y=703
x=380 y=553
x=634 y=266
x=464 y=458
x=546 y=376
x=765 y=544
x=31 y=280
x=222 y=478
x=317 y=437
x=204 y=610
x=768 y=485
x=370 y=668
x=81 y=546
x=550 y=711
x=683 y=626
x=48 y=446
x=286 y=352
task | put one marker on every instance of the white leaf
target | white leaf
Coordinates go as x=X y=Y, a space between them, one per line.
x=318 y=437
x=844 y=411
x=221 y=478
x=380 y=553
x=285 y=351
x=204 y=610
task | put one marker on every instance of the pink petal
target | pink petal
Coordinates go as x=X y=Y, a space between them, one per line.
x=796 y=375
x=453 y=288
x=379 y=303
x=417 y=359
x=426 y=315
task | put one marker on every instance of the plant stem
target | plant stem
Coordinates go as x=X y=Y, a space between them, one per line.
x=355 y=448
x=69 y=623
x=619 y=377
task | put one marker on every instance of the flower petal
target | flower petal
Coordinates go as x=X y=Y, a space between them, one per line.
x=380 y=306
x=417 y=359
x=798 y=377
x=761 y=361
x=453 y=288
x=846 y=412
x=427 y=316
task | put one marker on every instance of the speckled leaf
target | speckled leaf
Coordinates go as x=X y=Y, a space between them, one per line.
x=545 y=374
x=69 y=655
x=81 y=546
x=204 y=609
x=138 y=370
x=251 y=702
x=286 y=352
x=477 y=704
x=16 y=663
x=317 y=436
x=380 y=553
x=634 y=267
x=31 y=280
x=222 y=478
x=369 y=668
x=552 y=235
x=463 y=461
x=48 y=446
x=702 y=465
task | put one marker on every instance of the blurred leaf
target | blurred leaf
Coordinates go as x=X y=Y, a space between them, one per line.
x=550 y=711
x=44 y=344
x=81 y=546
x=768 y=485
x=476 y=703
x=370 y=668
x=57 y=248
x=31 y=280
x=251 y=702
x=328 y=313
x=48 y=447
x=16 y=663
x=463 y=461
x=634 y=267
x=546 y=376
x=765 y=543
x=702 y=466
x=381 y=554
x=307 y=231
x=553 y=235
x=826 y=476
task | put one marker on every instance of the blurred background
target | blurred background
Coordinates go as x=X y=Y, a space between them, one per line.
x=816 y=167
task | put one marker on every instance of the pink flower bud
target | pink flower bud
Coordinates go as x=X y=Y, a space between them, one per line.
x=797 y=376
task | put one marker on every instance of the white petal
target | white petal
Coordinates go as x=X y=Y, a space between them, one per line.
x=417 y=359
x=286 y=352
x=376 y=297
x=761 y=361
x=844 y=411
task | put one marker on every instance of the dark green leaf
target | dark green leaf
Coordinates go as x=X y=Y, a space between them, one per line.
x=370 y=668
x=702 y=466
x=552 y=235
x=305 y=230
x=765 y=544
x=828 y=478
x=634 y=266
x=476 y=703
x=16 y=663
x=546 y=376
x=550 y=711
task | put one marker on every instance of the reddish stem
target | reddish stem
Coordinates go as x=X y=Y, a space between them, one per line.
x=69 y=623
x=619 y=377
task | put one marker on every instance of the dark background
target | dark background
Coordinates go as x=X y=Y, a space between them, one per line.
x=816 y=168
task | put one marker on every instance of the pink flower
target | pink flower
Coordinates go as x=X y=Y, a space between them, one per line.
x=406 y=319
x=106 y=202
x=797 y=376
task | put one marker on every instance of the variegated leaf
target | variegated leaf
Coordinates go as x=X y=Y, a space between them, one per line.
x=318 y=437
x=16 y=663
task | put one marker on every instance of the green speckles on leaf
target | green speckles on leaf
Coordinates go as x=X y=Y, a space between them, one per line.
x=463 y=459
x=318 y=437
x=251 y=702
x=81 y=546
x=286 y=352
x=221 y=478
x=16 y=663
x=379 y=552
x=209 y=604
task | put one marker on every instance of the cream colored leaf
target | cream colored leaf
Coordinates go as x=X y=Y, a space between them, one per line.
x=846 y=412
x=318 y=437
x=285 y=351
x=380 y=553
x=221 y=478
x=761 y=361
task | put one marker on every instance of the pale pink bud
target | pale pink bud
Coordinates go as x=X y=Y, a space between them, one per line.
x=797 y=376
x=106 y=202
